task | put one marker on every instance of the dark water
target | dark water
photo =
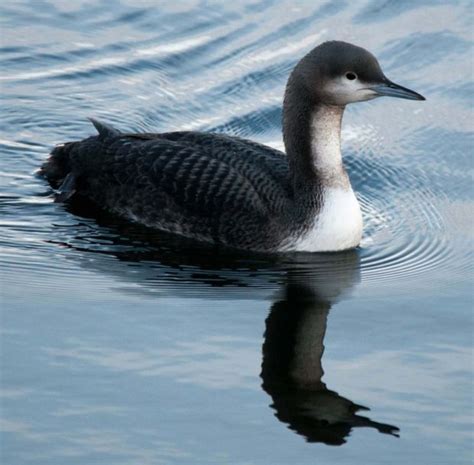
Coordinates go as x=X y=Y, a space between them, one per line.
x=121 y=348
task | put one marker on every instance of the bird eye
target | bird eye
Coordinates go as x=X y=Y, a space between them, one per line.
x=351 y=76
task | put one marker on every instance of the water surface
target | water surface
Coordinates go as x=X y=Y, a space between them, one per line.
x=123 y=347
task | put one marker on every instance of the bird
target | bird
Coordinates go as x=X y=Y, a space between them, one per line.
x=233 y=192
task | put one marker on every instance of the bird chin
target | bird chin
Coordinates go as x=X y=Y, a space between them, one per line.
x=364 y=95
x=361 y=95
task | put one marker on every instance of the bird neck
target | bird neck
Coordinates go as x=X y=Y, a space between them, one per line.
x=312 y=136
x=325 y=141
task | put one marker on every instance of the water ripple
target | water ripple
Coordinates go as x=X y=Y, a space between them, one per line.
x=224 y=73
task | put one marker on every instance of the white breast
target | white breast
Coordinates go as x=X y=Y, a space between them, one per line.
x=338 y=225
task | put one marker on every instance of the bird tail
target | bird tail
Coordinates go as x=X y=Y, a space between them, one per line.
x=57 y=166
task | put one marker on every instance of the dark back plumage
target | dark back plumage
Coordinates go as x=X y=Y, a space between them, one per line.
x=212 y=187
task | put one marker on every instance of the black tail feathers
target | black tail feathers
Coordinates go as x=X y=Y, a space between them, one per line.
x=56 y=167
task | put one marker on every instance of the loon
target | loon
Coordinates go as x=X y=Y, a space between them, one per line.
x=234 y=192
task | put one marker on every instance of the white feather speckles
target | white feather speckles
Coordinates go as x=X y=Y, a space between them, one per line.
x=326 y=142
x=338 y=226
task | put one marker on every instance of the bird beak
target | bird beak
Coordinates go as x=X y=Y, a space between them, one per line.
x=390 y=89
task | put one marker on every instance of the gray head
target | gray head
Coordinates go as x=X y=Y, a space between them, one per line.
x=338 y=73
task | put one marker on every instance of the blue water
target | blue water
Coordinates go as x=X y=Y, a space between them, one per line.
x=121 y=348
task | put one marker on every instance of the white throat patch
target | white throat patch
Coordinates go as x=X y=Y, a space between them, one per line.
x=326 y=141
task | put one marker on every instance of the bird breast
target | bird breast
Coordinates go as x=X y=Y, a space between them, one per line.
x=337 y=226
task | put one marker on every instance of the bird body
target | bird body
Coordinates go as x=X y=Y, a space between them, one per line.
x=231 y=191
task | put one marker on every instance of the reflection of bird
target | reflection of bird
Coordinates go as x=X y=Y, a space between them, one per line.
x=292 y=361
x=295 y=328
x=235 y=192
